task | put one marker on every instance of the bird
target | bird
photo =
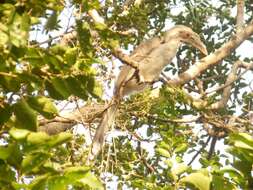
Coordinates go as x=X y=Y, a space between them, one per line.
x=151 y=57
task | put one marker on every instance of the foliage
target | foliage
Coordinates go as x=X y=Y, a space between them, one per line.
x=31 y=79
x=156 y=152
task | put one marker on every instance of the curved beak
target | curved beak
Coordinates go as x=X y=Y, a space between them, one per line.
x=196 y=42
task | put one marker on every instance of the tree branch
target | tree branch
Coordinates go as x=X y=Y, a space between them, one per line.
x=232 y=77
x=8 y=74
x=199 y=151
x=183 y=120
x=59 y=124
x=214 y=58
x=212 y=147
x=240 y=15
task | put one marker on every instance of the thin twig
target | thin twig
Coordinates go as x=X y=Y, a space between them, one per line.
x=52 y=38
x=184 y=120
x=232 y=81
x=212 y=77
x=150 y=168
x=199 y=151
x=212 y=147
x=8 y=74
x=227 y=84
x=78 y=108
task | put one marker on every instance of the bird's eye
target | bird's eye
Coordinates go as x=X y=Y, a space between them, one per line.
x=188 y=35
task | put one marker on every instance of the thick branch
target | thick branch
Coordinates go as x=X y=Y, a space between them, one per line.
x=213 y=58
x=96 y=17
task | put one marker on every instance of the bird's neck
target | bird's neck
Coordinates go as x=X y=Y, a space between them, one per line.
x=174 y=43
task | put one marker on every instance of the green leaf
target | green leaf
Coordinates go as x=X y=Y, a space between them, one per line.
x=60 y=86
x=38 y=138
x=179 y=168
x=59 y=139
x=240 y=144
x=31 y=80
x=76 y=173
x=43 y=105
x=19 y=29
x=57 y=183
x=6 y=173
x=25 y=116
x=41 y=138
x=5 y=152
x=16 y=155
x=84 y=37
x=165 y=145
x=95 y=4
x=231 y=171
x=39 y=183
x=53 y=92
x=234 y=173
x=19 y=134
x=241 y=147
x=18 y=186
x=75 y=86
x=181 y=148
x=90 y=180
x=5 y=113
x=11 y=84
x=35 y=58
x=4 y=38
x=199 y=180
x=71 y=176
x=55 y=62
x=7 y=10
x=98 y=92
x=33 y=161
x=220 y=182
x=71 y=56
x=242 y=140
x=244 y=167
x=163 y=152
x=100 y=26
x=169 y=163
x=51 y=23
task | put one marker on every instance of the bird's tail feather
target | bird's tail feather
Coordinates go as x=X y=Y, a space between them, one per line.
x=107 y=121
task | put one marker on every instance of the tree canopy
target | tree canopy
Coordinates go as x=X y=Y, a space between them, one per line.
x=58 y=62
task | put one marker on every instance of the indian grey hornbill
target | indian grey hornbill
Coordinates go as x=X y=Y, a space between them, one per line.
x=152 y=56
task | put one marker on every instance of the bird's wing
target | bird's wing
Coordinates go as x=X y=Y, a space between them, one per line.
x=151 y=67
x=145 y=48
x=127 y=72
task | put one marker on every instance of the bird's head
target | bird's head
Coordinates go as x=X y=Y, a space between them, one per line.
x=186 y=35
